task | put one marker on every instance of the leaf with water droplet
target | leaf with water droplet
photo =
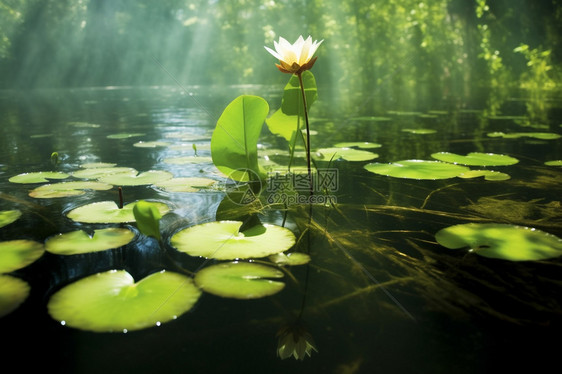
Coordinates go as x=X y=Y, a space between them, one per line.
x=109 y=212
x=222 y=240
x=78 y=242
x=239 y=280
x=348 y=154
x=362 y=145
x=187 y=184
x=147 y=177
x=489 y=175
x=113 y=302
x=476 y=159
x=38 y=177
x=417 y=169
x=65 y=189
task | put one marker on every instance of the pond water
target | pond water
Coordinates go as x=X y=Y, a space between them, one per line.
x=380 y=294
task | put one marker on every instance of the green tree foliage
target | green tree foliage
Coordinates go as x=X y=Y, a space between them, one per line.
x=406 y=49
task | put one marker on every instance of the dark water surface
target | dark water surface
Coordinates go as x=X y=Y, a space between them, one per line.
x=382 y=296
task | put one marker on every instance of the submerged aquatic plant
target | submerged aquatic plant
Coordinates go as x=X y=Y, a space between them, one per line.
x=295 y=340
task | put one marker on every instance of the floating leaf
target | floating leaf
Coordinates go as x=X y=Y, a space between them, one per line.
x=554 y=163
x=152 y=144
x=17 y=254
x=363 y=145
x=148 y=177
x=348 y=154
x=404 y=113
x=93 y=165
x=109 y=212
x=239 y=280
x=502 y=241
x=13 y=292
x=223 y=240
x=234 y=144
x=64 y=189
x=295 y=258
x=125 y=135
x=417 y=169
x=188 y=160
x=77 y=242
x=148 y=217
x=38 y=177
x=489 y=175
x=475 y=159
x=537 y=135
x=9 y=216
x=420 y=131
x=113 y=302
x=83 y=125
x=188 y=184
x=371 y=119
x=98 y=172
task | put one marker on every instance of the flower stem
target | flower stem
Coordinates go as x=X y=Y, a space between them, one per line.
x=307 y=133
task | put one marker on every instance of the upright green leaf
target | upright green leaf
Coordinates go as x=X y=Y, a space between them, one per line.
x=290 y=117
x=234 y=144
x=148 y=217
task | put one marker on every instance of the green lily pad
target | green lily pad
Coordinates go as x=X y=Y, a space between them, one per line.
x=420 y=131
x=94 y=165
x=239 y=280
x=475 y=159
x=362 y=145
x=188 y=184
x=554 y=163
x=502 y=241
x=148 y=177
x=222 y=240
x=371 y=119
x=489 y=175
x=295 y=258
x=417 y=169
x=13 y=292
x=188 y=160
x=77 y=242
x=404 y=113
x=64 y=189
x=83 y=125
x=98 y=172
x=113 y=302
x=152 y=144
x=17 y=254
x=9 y=216
x=348 y=154
x=536 y=135
x=109 y=212
x=125 y=135
x=38 y=177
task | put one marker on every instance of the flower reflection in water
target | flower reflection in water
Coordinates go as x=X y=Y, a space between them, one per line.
x=296 y=341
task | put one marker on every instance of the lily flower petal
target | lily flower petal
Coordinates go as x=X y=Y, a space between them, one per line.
x=297 y=57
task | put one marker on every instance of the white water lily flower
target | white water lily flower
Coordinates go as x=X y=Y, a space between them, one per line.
x=295 y=58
